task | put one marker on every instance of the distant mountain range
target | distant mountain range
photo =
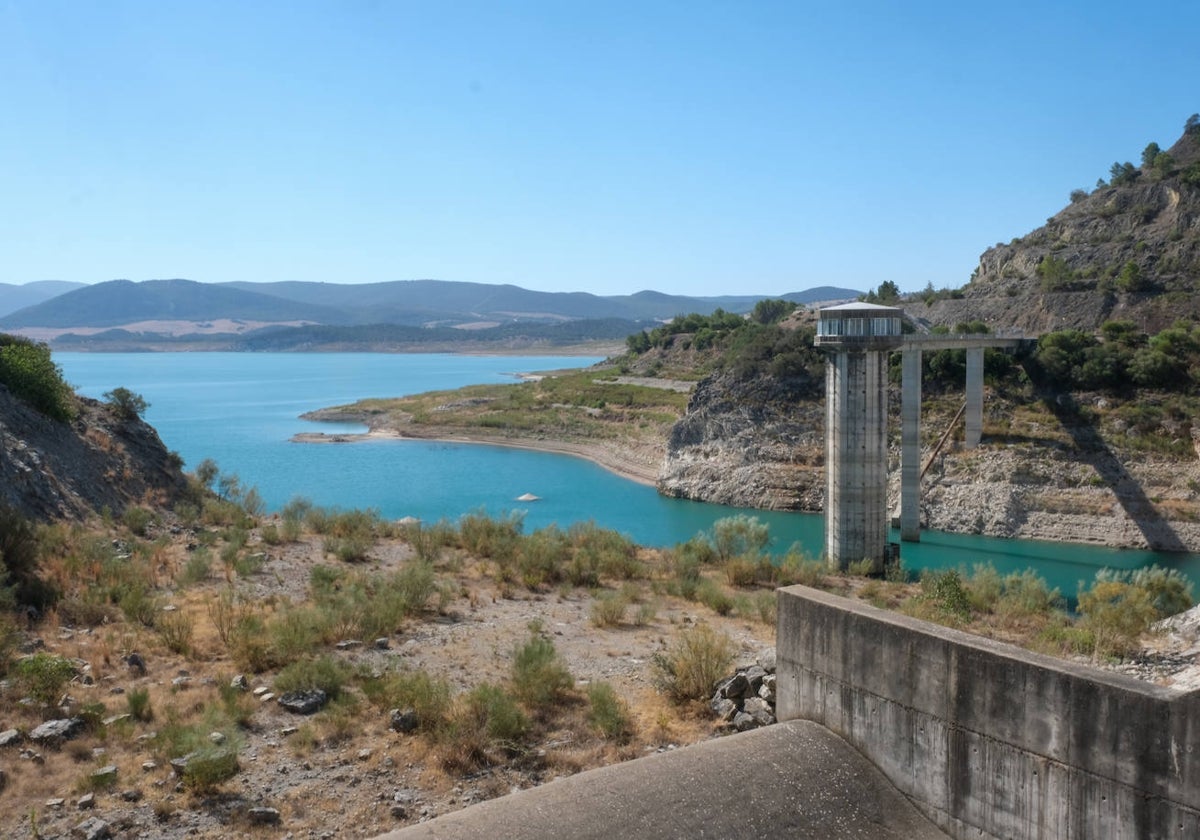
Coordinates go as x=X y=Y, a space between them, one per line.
x=183 y=307
x=13 y=298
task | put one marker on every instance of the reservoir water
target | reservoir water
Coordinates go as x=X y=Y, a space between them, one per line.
x=241 y=409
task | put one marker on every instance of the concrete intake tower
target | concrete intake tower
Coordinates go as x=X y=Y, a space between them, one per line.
x=858 y=338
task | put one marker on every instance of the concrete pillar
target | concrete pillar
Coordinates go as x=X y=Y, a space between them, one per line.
x=974 y=397
x=910 y=445
x=856 y=457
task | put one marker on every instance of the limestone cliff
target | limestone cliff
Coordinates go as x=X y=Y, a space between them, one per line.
x=1041 y=472
x=749 y=442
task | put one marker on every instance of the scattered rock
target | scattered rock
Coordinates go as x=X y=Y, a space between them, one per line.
x=347 y=644
x=404 y=720
x=93 y=828
x=746 y=700
x=53 y=731
x=263 y=816
x=9 y=737
x=382 y=643
x=136 y=664
x=304 y=702
x=104 y=776
x=240 y=683
x=86 y=802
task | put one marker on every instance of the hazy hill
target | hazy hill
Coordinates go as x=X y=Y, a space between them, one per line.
x=1129 y=249
x=412 y=303
x=14 y=297
x=120 y=302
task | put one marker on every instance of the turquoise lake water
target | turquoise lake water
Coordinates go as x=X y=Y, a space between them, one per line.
x=241 y=409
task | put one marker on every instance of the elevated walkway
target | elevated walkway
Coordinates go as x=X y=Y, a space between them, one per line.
x=794 y=779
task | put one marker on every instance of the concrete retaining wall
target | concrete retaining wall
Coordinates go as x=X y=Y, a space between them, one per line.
x=987 y=739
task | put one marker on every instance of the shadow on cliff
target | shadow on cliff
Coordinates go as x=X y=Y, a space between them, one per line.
x=1158 y=532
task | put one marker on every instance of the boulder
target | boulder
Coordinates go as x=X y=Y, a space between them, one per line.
x=93 y=828
x=404 y=720
x=304 y=702
x=263 y=816
x=62 y=729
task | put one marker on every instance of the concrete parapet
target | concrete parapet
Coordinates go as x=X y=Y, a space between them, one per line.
x=990 y=740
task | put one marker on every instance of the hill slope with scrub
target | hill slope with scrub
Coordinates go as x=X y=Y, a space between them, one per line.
x=1128 y=249
x=63 y=455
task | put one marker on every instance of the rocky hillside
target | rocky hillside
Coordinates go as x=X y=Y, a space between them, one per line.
x=97 y=460
x=1118 y=468
x=1129 y=249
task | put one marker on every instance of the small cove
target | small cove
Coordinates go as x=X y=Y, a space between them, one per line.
x=241 y=409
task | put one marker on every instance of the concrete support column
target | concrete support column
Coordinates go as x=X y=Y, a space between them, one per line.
x=856 y=457
x=910 y=445
x=974 y=397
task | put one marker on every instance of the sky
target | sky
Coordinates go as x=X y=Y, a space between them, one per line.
x=699 y=148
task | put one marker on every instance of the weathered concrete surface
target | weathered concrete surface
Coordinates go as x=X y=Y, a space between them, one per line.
x=794 y=780
x=989 y=740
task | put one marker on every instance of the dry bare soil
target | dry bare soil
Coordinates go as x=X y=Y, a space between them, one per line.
x=343 y=771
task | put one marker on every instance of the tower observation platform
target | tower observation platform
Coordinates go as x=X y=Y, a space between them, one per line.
x=858 y=338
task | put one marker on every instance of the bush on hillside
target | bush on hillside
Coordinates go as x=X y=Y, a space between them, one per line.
x=28 y=371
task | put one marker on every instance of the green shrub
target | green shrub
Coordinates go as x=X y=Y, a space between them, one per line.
x=714 y=597
x=349 y=549
x=738 y=536
x=487 y=537
x=1116 y=613
x=1170 y=592
x=607 y=713
x=699 y=658
x=428 y=697
x=608 y=610
x=176 y=631
x=945 y=591
x=137 y=520
x=543 y=557
x=1027 y=593
x=28 y=371
x=497 y=713
x=270 y=534
x=138 y=700
x=323 y=672
x=43 y=676
x=248 y=643
x=767 y=605
x=139 y=605
x=540 y=677
x=20 y=553
x=127 y=404
x=797 y=567
x=197 y=567
x=207 y=763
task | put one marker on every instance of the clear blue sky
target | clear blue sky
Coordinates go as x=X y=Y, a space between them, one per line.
x=689 y=147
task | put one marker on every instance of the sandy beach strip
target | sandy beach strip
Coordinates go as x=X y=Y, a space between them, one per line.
x=635 y=464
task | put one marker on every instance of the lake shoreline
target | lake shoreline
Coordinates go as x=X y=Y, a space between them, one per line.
x=619 y=460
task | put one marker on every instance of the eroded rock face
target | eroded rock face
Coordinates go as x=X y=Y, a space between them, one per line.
x=760 y=444
x=1153 y=222
x=751 y=443
x=53 y=469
